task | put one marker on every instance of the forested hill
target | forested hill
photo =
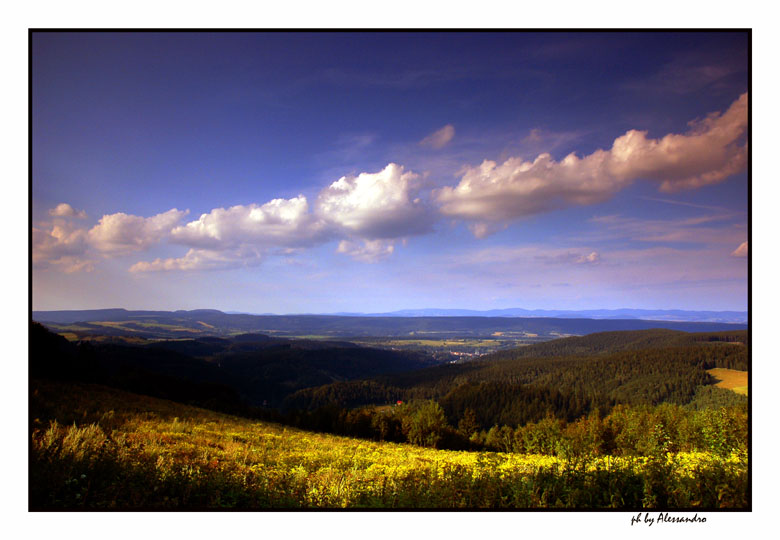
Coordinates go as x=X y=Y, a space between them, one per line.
x=608 y=342
x=526 y=384
x=223 y=374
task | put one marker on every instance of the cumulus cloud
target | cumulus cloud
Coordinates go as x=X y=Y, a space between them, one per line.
x=280 y=222
x=376 y=205
x=708 y=153
x=67 y=211
x=368 y=211
x=71 y=249
x=741 y=251
x=439 y=138
x=241 y=235
x=119 y=234
x=370 y=251
x=60 y=245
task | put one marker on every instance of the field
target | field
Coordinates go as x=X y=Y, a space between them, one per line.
x=731 y=379
x=98 y=448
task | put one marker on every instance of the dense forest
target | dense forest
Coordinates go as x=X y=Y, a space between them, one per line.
x=514 y=387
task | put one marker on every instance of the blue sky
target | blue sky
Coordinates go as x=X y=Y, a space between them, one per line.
x=322 y=172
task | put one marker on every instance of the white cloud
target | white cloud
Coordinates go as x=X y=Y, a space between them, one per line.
x=119 y=234
x=62 y=246
x=518 y=188
x=741 y=251
x=439 y=138
x=370 y=251
x=371 y=210
x=709 y=153
x=280 y=222
x=65 y=210
x=202 y=259
x=376 y=205
x=241 y=235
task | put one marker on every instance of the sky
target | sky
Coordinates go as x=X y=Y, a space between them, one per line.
x=370 y=172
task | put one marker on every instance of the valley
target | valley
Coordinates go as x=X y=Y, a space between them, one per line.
x=262 y=421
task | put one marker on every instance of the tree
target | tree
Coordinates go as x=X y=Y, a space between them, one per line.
x=426 y=425
x=468 y=424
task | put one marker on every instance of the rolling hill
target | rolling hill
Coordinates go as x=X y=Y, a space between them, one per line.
x=178 y=324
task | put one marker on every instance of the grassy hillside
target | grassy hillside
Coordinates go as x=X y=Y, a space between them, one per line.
x=97 y=448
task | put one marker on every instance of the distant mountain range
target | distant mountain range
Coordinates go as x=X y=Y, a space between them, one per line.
x=734 y=317
x=167 y=324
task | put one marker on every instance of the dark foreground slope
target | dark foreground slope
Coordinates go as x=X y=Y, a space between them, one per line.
x=223 y=374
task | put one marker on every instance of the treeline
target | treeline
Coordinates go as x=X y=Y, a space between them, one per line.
x=625 y=431
x=610 y=342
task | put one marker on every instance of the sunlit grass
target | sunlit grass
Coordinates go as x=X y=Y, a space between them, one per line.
x=99 y=448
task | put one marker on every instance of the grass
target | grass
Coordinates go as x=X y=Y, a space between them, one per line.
x=731 y=379
x=98 y=448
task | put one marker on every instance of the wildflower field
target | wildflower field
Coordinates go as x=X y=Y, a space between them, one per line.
x=97 y=448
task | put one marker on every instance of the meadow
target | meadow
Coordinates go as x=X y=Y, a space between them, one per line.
x=731 y=379
x=98 y=448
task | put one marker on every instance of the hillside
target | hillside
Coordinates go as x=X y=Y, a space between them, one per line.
x=247 y=370
x=94 y=448
x=567 y=378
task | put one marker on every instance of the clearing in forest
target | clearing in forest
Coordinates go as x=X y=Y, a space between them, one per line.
x=731 y=379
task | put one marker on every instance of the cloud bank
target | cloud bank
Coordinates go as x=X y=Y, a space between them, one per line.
x=712 y=150
x=367 y=212
x=71 y=248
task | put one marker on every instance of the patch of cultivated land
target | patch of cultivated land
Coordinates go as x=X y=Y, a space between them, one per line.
x=731 y=379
